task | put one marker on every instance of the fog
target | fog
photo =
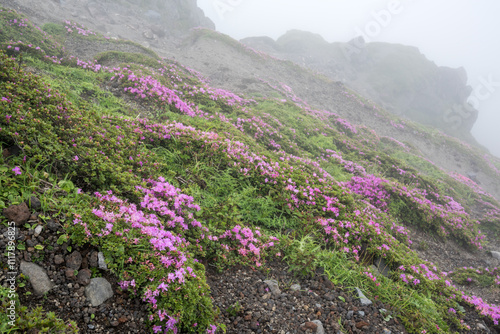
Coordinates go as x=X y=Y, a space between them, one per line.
x=458 y=33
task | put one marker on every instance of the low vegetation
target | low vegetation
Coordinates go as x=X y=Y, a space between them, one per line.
x=163 y=173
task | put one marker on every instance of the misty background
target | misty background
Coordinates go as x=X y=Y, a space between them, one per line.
x=458 y=33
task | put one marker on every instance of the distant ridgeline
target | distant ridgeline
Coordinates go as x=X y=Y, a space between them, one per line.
x=398 y=77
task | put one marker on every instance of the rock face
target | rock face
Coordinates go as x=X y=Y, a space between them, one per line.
x=146 y=21
x=399 y=78
x=174 y=16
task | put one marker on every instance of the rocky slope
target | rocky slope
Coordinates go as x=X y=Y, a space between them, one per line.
x=397 y=77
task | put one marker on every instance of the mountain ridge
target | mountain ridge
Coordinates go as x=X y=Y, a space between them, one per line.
x=397 y=77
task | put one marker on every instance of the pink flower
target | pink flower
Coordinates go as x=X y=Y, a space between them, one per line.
x=75 y=158
x=17 y=170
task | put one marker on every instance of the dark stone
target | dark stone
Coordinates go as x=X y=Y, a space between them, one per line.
x=74 y=260
x=34 y=203
x=17 y=213
x=58 y=259
x=311 y=325
x=93 y=260
x=12 y=150
x=52 y=225
x=362 y=324
x=329 y=296
x=84 y=276
x=70 y=273
x=254 y=325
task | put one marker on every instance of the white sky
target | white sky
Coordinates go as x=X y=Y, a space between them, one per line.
x=451 y=33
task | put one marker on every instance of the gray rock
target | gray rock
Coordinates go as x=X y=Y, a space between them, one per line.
x=74 y=260
x=386 y=331
x=34 y=203
x=361 y=313
x=329 y=296
x=148 y=34
x=52 y=225
x=98 y=291
x=349 y=315
x=102 y=261
x=37 y=276
x=92 y=258
x=254 y=325
x=382 y=266
x=273 y=286
x=496 y=255
x=38 y=230
x=364 y=301
x=472 y=176
x=320 y=329
x=295 y=287
x=481 y=326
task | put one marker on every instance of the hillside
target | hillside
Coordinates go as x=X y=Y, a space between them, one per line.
x=397 y=77
x=149 y=197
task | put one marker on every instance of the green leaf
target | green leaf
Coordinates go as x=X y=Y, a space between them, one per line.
x=62 y=239
x=21 y=247
x=39 y=247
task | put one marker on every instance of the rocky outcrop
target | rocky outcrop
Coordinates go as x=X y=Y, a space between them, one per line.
x=151 y=20
x=397 y=77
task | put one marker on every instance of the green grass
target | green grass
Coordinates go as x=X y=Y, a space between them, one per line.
x=71 y=125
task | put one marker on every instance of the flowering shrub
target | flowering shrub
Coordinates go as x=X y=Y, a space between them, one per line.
x=240 y=245
x=168 y=278
x=483 y=277
x=370 y=187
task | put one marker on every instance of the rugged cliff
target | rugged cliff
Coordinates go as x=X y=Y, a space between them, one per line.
x=398 y=77
x=152 y=20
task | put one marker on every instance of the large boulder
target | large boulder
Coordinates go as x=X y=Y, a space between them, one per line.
x=38 y=277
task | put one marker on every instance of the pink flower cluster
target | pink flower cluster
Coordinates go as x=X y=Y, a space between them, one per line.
x=246 y=242
x=78 y=28
x=371 y=188
x=492 y=311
